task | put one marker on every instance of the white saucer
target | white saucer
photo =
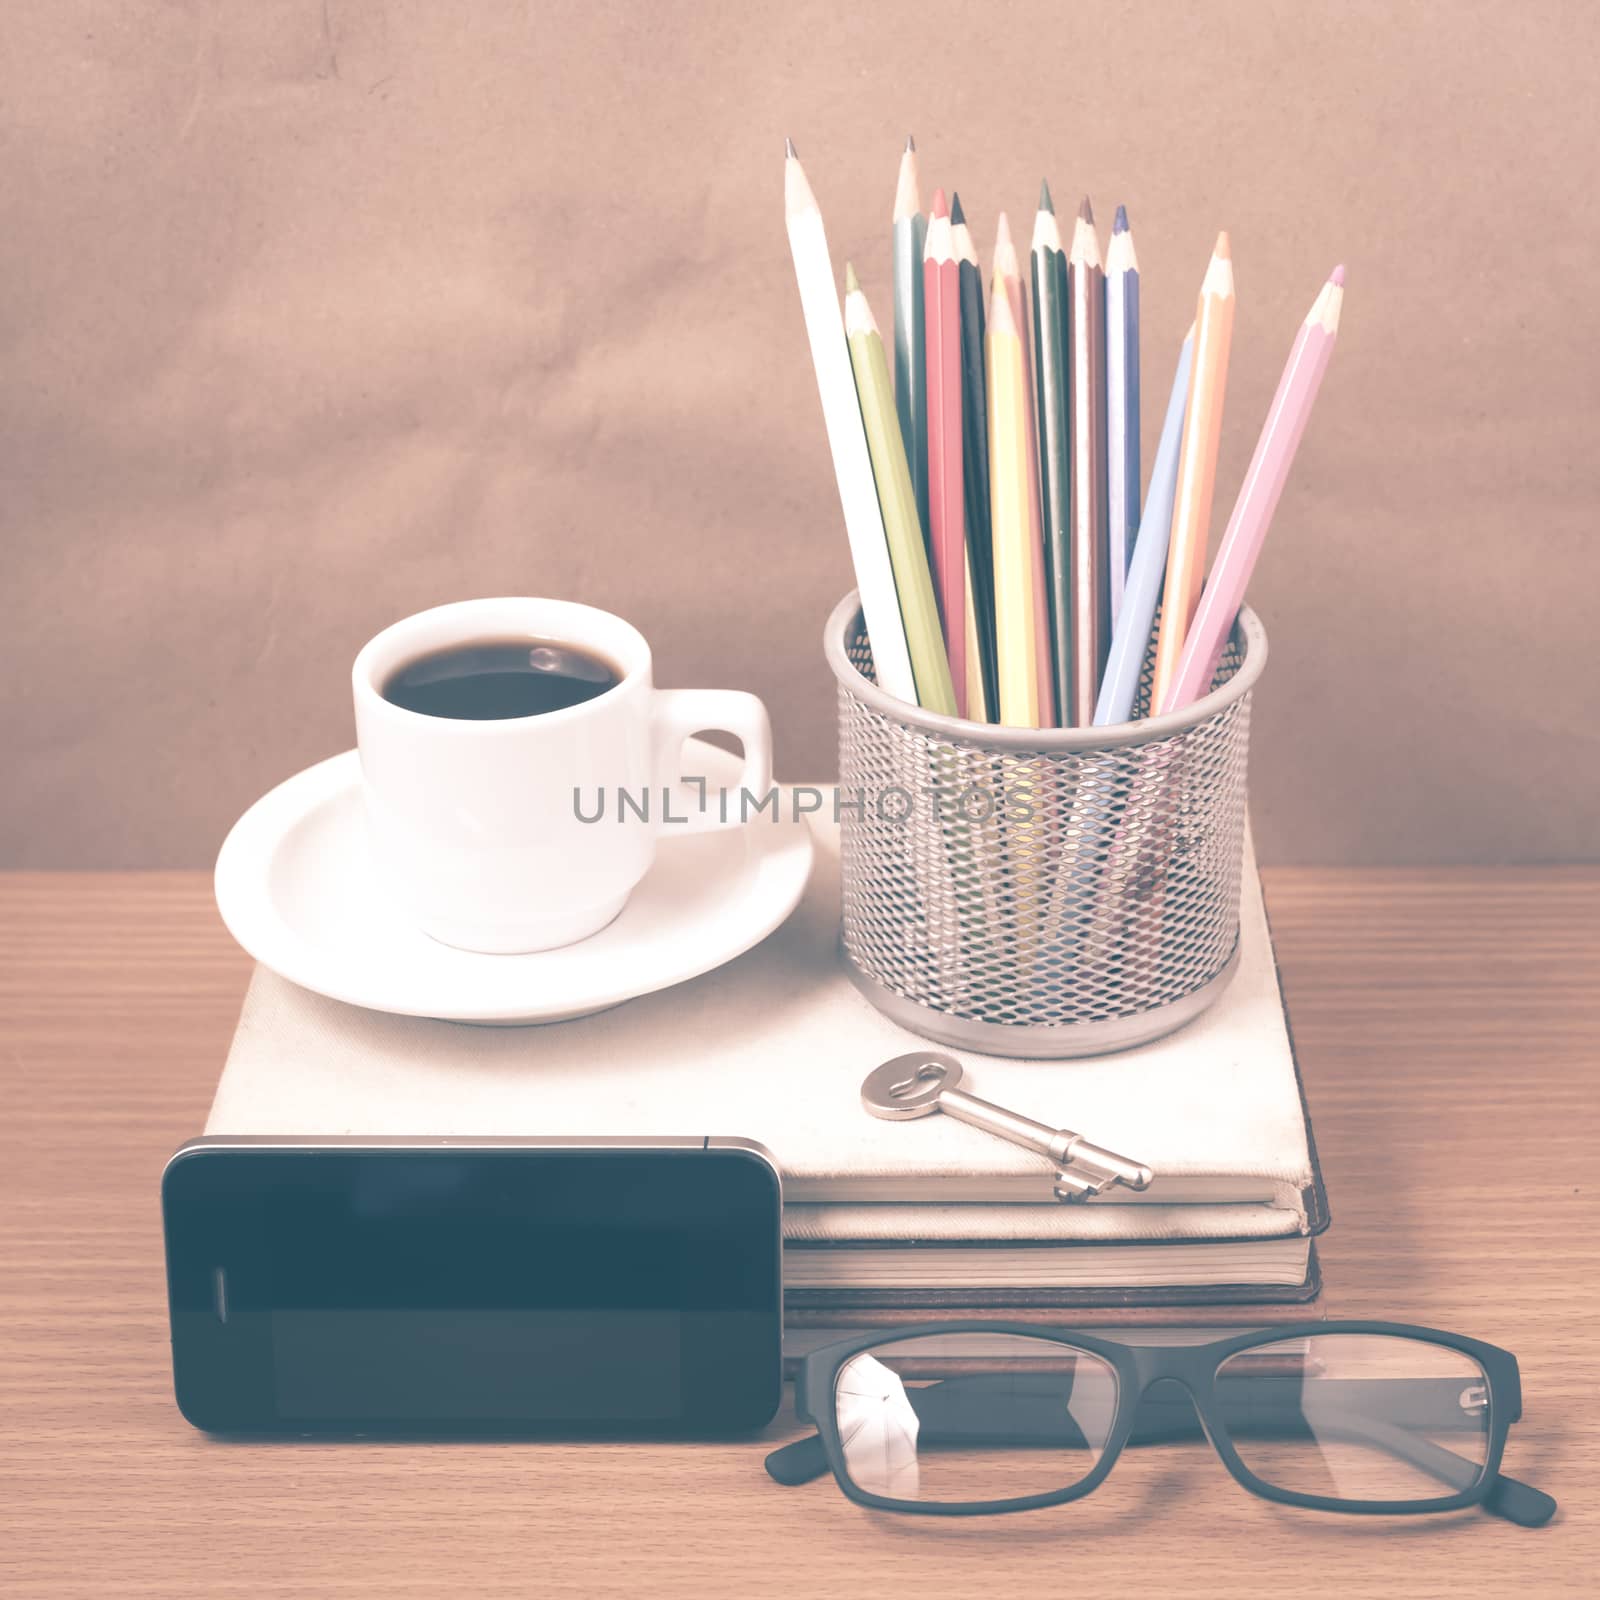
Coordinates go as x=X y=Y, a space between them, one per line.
x=298 y=889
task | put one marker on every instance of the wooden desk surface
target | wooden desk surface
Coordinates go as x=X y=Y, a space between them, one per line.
x=1447 y=1024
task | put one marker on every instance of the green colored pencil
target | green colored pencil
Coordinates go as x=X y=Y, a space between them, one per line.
x=930 y=666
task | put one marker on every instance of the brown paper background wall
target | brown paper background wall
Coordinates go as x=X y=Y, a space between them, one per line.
x=313 y=314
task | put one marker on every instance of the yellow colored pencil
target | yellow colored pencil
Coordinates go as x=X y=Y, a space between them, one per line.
x=902 y=526
x=1009 y=270
x=1197 y=467
x=1016 y=643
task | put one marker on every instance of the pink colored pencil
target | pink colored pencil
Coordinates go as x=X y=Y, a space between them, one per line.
x=1258 y=498
x=1009 y=271
x=947 y=517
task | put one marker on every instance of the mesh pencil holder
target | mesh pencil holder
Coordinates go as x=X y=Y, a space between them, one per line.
x=1049 y=892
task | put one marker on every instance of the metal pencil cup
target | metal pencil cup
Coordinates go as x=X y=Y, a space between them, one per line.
x=1041 y=892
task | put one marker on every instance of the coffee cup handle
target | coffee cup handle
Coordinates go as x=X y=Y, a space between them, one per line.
x=678 y=714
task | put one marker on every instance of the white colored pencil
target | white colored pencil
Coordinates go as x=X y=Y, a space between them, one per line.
x=847 y=439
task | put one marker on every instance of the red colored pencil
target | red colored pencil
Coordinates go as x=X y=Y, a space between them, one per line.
x=947 y=525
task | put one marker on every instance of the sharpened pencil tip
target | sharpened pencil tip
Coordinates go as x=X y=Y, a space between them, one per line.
x=1045 y=202
x=1336 y=277
x=1223 y=251
x=957 y=216
x=852 y=283
x=1086 y=211
x=911 y=145
x=1001 y=320
x=941 y=206
x=789 y=151
x=1005 y=251
x=1120 y=225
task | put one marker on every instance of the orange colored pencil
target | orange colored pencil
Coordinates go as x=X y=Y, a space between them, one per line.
x=1197 y=467
x=1008 y=271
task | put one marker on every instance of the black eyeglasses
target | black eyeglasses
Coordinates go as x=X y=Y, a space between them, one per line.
x=960 y=1418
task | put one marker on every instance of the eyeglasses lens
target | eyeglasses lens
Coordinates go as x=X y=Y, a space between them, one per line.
x=973 y=1417
x=1357 y=1417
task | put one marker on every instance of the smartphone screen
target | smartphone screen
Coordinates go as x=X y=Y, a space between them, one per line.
x=497 y=1288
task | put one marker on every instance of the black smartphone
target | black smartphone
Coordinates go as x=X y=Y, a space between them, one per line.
x=352 y=1286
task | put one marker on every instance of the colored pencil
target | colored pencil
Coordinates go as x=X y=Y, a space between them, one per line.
x=1258 y=496
x=847 y=439
x=947 y=518
x=1086 y=420
x=1009 y=519
x=1122 y=406
x=975 y=437
x=1130 y=638
x=1197 y=466
x=1049 y=266
x=980 y=708
x=1008 y=272
x=930 y=667
x=910 y=377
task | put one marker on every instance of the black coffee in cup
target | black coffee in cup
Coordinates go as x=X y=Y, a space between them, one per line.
x=490 y=680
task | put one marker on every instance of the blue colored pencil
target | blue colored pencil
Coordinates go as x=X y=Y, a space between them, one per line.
x=1130 y=641
x=1122 y=406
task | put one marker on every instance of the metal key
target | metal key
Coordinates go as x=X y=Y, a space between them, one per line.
x=926 y=1081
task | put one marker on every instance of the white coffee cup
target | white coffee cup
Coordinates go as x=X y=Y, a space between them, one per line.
x=478 y=825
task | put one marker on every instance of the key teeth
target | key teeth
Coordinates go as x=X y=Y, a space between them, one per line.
x=1090 y=1171
x=1073 y=1186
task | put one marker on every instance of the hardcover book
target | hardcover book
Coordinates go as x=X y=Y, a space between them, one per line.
x=774 y=1047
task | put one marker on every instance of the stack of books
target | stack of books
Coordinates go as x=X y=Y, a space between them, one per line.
x=884 y=1221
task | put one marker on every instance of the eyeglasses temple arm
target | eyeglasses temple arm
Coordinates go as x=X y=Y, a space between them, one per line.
x=954 y=1407
x=1507 y=1497
x=799 y=1462
x=1520 y=1502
